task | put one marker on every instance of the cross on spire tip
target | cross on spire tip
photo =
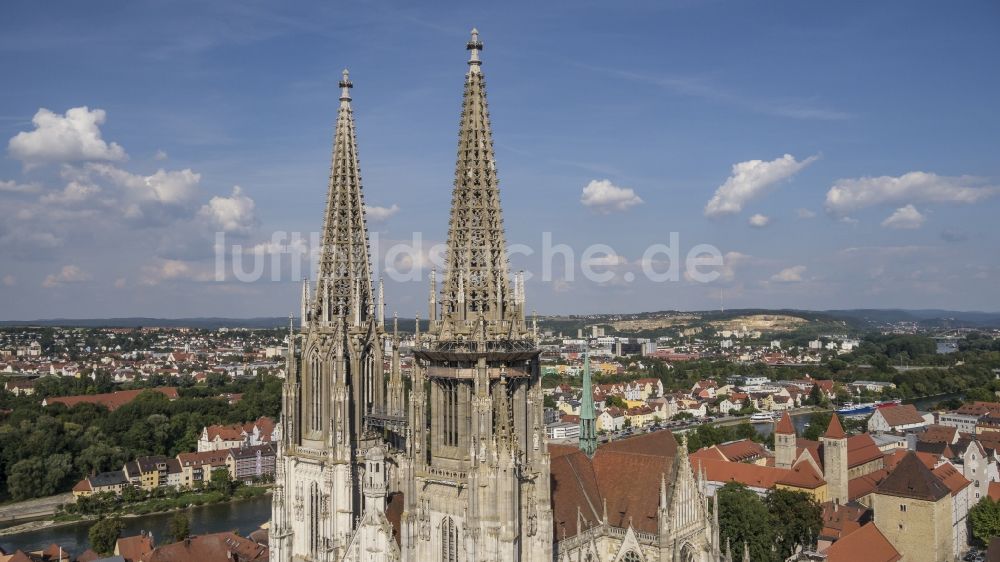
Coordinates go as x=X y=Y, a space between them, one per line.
x=474 y=46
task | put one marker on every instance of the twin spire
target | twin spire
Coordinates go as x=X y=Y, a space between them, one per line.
x=477 y=288
x=343 y=293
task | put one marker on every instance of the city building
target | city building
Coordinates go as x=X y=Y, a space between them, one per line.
x=896 y=418
x=913 y=509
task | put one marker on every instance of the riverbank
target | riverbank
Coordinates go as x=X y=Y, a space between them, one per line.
x=33 y=509
x=38 y=524
x=244 y=517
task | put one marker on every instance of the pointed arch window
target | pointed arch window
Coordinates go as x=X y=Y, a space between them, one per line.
x=631 y=556
x=316 y=392
x=314 y=518
x=449 y=540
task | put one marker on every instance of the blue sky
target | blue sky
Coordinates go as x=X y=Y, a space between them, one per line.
x=837 y=155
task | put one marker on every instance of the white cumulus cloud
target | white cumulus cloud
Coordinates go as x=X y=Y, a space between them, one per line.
x=74 y=192
x=805 y=213
x=174 y=187
x=751 y=179
x=72 y=137
x=379 y=214
x=759 y=220
x=789 y=275
x=68 y=274
x=907 y=217
x=173 y=270
x=852 y=194
x=231 y=214
x=605 y=197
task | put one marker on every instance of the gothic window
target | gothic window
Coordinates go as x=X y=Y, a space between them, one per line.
x=449 y=540
x=449 y=417
x=316 y=393
x=631 y=556
x=314 y=517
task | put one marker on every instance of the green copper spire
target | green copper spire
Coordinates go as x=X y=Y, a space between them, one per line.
x=588 y=431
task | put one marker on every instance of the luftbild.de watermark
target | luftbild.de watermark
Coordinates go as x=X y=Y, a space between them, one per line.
x=291 y=256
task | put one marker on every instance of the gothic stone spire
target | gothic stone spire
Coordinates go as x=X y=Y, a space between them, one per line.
x=344 y=287
x=588 y=431
x=476 y=281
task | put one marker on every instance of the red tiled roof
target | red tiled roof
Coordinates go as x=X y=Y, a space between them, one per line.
x=743 y=450
x=225 y=432
x=863 y=485
x=861 y=449
x=802 y=475
x=951 y=477
x=213 y=458
x=582 y=485
x=867 y=544
x=903 y=414
x=135 y=547
x=994 y=491
x=912 y=479
x=892 y=459
x=835 y=430
x=112 y=400
x=785 y=426
x=215 y=547
x=939 y=434
x=979 y=408
x=840 y=520
x=752 y=475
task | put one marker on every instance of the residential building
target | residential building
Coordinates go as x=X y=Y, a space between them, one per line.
x=913 y=509
x=113 y=481
x=246 y=464
x=896 y=418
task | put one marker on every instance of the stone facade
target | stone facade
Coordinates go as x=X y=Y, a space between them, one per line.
x=458 y=469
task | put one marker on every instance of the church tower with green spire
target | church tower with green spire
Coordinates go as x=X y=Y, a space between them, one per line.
x=588 y=429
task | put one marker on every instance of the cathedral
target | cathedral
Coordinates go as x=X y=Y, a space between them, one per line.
x=451 y=464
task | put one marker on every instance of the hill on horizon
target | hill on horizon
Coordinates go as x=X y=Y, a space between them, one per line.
x=929 y=318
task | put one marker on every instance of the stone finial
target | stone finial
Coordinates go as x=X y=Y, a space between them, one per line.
x=474 y=46
x=345 y=86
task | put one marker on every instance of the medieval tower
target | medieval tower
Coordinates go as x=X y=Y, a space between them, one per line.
x=454 y=466
x=835 y=460
x=479 y=484
x=334 y=375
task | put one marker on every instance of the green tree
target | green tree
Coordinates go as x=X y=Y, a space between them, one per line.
x=797 y=519
x=818 y=422
x=744 y=519
x=616 y=401
x=985 y=518
x=815 y=396
x=104 y=534
x=222 y=482
x=179 y=527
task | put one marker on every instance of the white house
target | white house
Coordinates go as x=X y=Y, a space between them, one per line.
x=895 y=418
x=611 y=419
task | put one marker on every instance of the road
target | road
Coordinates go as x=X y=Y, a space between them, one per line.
x=30 y=509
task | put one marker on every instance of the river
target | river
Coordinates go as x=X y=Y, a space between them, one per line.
x=798 y=420
x=243 y=517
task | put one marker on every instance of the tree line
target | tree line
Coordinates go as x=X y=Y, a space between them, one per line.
x=46 y=450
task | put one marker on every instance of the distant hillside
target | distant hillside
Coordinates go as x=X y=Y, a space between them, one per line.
x=642 y=322
x=930 y=318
